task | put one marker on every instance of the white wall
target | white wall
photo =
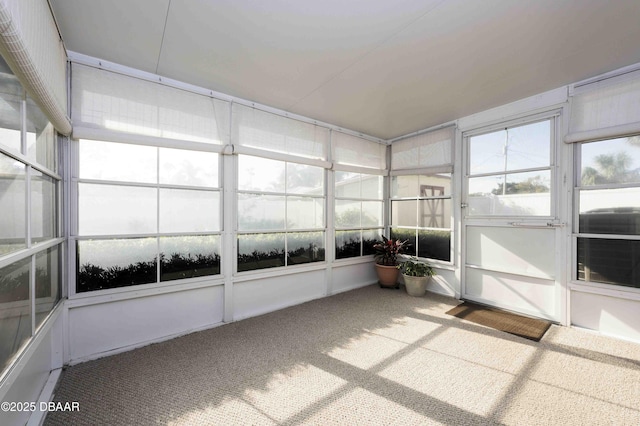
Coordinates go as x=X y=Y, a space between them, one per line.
x=607 y=314
x=99 y=327
x=257 y=294
x=351 y=276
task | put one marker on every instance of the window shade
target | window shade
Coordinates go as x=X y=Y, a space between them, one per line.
x=121 y=104
x=431 y=149
x=31 y=46
x=351 y=150
x=607 y=108
x=253 y=128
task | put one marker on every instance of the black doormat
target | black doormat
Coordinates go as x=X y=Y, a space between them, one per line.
x=529 y=328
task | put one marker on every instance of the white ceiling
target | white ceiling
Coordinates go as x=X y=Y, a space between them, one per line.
x=385 y=68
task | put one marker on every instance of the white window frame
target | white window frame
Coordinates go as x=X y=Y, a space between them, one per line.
x=596 y=287
x=285 y=159
x=158 y=285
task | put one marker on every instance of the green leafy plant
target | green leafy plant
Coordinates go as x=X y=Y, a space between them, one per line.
x=416 y=268
x=387 y=251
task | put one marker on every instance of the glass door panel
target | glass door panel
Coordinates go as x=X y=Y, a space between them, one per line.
x=510 y=226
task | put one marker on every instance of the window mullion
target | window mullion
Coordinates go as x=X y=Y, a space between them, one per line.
x=158 y=254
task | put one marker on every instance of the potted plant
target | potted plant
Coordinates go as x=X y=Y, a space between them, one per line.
x=416 y=274
x=386 y=257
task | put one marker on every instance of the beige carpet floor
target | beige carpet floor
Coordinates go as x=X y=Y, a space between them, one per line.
x=367 y=357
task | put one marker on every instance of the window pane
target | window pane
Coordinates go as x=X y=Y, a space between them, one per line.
x=408 y=235
x=106 y=264
x=191 y=168
x=610 y=211
x=609 y=261
x=9 y=138
x=259 y=251
x=372 y=213
x=43 y=207
x=516 y=148
x=12 y=205
x=303 y=179
x=118 y=162
x=41 y=137
x=611 y=161
x=403 y=213
x=347 y=185
x=526 y=194
x=189 y=256
x=434 y=244
x=371 y=186
x=435 y=213
x=15 y=323
x=437 y=185
x=260 y=174
x=369 y=238
x=261 y=212
x=47 y=282
x=347 y=213
x=405 y=186
x=11 y=94
x=305 y=247
x=110 y=209
x=347 y=244
x=305 y=213
x=186 y=210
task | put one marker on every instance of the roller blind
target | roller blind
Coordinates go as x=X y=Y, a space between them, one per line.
x=256 y=129
x=31 y=46
x=349 y=150
x=427 y=150
x=605 y=109
x=119 y=104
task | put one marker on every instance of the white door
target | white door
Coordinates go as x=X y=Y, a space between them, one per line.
x=511 y=229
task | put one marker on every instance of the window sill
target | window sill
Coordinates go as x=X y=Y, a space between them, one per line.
x=143 y=290
x=278 y=271
x=611 y=290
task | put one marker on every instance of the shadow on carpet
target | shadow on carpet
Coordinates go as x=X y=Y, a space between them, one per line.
x=529 y=328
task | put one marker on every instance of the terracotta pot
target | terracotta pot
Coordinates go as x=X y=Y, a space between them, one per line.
x=416 y=286
x=387 y=276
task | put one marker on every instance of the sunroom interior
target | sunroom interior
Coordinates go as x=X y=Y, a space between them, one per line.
x=170 y=167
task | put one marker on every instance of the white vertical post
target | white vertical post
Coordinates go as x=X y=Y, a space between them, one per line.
x=32 y=293
x=386 y=194
x=72 y=174
x=458 y=197
x=158 y=258
x=566 y=205
x=229 y=233
x=330 y=235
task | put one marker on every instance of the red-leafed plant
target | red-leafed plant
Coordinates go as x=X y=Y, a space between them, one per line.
x=387 y=251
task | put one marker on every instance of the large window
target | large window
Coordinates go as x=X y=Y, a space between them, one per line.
x=608 y=198
x=359 y=166
x=280 y=213
x=358 y=213
x=421 y=214
x=510 y=171
x=145 y=214
x=421 y=205
x=30 y=243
